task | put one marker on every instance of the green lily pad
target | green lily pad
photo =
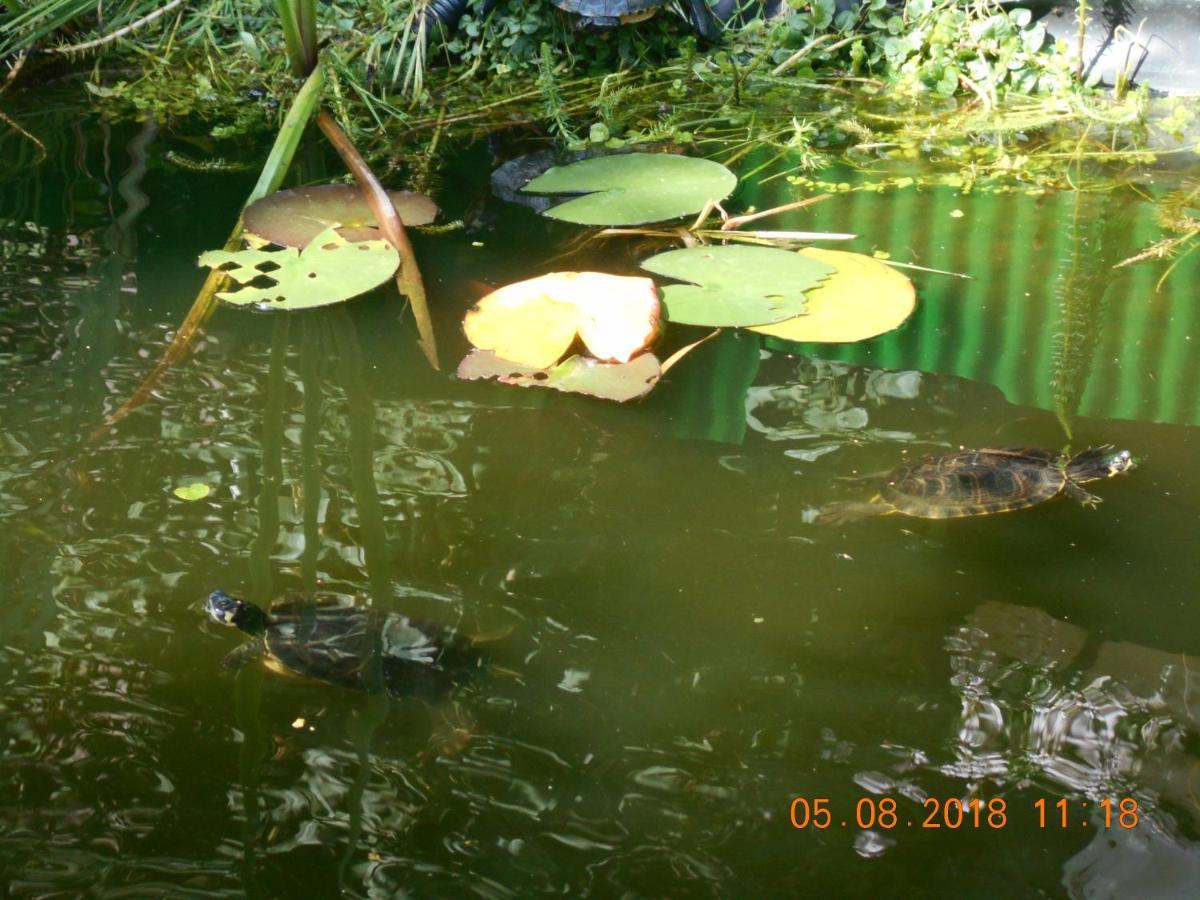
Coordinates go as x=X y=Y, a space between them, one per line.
x=737 y=285
x=294 y=217
x=634 y=188
x=575 y=375
x=195 y=491
x=329 y=270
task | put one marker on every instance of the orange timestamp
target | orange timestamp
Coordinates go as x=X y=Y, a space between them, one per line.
x=952 y=813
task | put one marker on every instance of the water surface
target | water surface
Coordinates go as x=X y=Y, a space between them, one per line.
x=679 y=653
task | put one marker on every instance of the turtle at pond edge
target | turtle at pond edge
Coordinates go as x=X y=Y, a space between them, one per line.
x=592 y=15
x=983 y=482
x=361 y=648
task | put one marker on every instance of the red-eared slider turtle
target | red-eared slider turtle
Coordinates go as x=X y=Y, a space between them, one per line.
x=982 y=482
x=593 y=15
x=362 y=648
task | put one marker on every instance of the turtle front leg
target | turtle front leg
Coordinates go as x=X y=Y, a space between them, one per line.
x=1087 y=498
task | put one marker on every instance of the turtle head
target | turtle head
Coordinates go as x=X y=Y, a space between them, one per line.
x=1100 y=462
x=229 y=610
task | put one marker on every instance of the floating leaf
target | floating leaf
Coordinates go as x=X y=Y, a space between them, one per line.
x=196 y=491
x=575 y=375
x=330 y=269
x=534 y=322
x=735 y=285
x=294 y=217
x=634 y=188
x=862 y=299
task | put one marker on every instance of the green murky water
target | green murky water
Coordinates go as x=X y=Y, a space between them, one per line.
x=683 y=652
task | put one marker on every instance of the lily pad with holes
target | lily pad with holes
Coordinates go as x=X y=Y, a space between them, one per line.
x=575 y=375
x=534 y=322
x=735 y=286
x=294 y=217
x=329 y=270
x=634 y=188
x=862 y=299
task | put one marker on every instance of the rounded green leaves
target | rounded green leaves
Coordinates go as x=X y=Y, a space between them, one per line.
x=634 y=188
x=737 y=285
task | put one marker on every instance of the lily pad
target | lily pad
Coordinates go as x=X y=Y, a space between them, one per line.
x=534 y=322
x=292 y=218
x=196 y=491
x=634 y=188
x=575 y=375
x=329 y=270
x=736 y=285
x=862 y=299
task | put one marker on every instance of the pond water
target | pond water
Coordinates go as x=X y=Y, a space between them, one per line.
x=681 y=663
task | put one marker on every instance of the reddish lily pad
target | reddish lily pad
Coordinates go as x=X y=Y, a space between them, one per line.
x=575 y=375
x=292 y=218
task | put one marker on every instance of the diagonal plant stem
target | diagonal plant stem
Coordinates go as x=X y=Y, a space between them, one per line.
x=408 y=278
x=273 y=172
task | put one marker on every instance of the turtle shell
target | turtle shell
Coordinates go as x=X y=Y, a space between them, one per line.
x=366 y=649
x=976 y=483
x=607 y=9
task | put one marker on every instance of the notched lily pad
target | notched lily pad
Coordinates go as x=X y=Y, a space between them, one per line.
x=292 y=218
x=329 y=270
x=634 y=188
x=862 y=299
x=737 y=285
x=575 y=375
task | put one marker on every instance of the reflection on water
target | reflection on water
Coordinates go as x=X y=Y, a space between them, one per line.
x=1046 y=703
x=675 y=652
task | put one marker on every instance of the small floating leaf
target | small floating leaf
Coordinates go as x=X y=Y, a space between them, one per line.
x=735 y=285
x=292 y=218
x=862 y=299
x=196 y=491
x=534 y=322
x=634 y=188
x=576 y=375
x=330 y=269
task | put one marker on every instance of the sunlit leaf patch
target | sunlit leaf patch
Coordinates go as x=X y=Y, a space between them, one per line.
x=863 y=298
x=196 y=491
x=535 y=322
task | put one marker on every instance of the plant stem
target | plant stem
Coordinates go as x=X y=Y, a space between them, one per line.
x=408 y=277
x=1081 y=33
x=298 y=20
x=273 y=172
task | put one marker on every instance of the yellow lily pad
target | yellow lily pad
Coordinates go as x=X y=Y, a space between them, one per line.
x=535 y=322
x=621 y=382
x=862 y=299
x=196 y=491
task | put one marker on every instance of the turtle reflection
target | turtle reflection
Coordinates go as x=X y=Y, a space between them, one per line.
x=1043 y=701
x=820 y=406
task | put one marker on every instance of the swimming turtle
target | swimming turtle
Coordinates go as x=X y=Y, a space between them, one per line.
x=362 y=648
x=982 y=482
